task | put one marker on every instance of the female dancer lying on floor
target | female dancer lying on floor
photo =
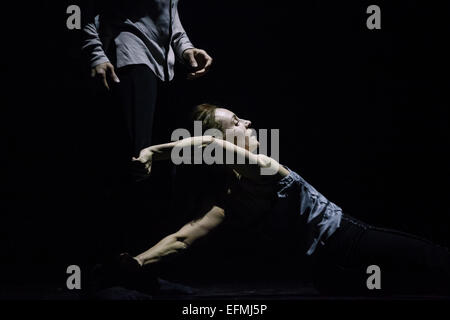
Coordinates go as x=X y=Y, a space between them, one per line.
x=343 y=247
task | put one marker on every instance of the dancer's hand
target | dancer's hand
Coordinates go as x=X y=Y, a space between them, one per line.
x=198 y=60
x=104 y=71
x=128 y=264
x=146 y=158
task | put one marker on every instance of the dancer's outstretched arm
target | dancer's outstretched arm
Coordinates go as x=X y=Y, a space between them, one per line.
x=252 y=169
x=183 y=238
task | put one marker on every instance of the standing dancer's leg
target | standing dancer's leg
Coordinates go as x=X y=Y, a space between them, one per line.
x=136 y=94
x=135 y=99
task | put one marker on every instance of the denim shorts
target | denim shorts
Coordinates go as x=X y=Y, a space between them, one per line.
x=316 y=217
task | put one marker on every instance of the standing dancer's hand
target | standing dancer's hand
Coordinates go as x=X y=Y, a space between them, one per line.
x=104 y=71
x=198 y=60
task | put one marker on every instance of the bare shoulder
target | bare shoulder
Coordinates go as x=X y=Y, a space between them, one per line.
x=271 y=167
x=265 y=170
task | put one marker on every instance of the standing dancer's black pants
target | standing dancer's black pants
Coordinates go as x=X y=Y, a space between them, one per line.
x=138 y=108
x=136 y=97
x=409 y=264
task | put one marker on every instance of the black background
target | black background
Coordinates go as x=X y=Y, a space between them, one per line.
x=363 y=114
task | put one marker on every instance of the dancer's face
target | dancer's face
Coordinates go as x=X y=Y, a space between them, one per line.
x=237 y=128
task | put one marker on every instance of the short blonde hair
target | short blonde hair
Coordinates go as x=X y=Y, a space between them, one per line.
x=205 y=113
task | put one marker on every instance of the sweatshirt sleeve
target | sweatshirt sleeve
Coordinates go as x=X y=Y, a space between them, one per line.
x=91 y=43
x=180 y=40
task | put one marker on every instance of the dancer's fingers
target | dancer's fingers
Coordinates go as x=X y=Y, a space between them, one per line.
x=105 y=82
x=191 y=59
x=113 y=73
x=208 y=63
x=197 y=74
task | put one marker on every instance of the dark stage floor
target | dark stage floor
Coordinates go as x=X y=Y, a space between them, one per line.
x=277 y=291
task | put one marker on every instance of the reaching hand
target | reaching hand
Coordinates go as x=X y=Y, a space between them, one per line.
x=103 y=71
x=146 y=158
x=198 y=60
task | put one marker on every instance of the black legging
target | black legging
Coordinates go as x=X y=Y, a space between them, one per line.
x=409 y=264
x=136 y=96
x=133 y=106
